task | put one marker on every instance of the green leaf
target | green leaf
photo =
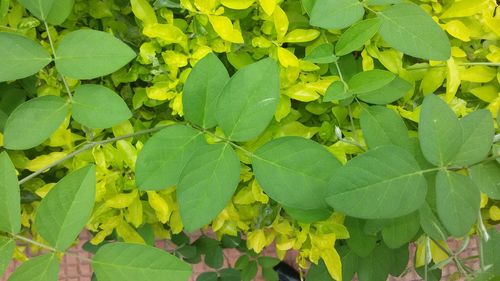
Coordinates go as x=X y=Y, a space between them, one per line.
x=385 y=182
x=487 y=177
x=268 y=262
x=477 y=137
x=21 y=56
x=249 y=100
x=336 y=91
x=369 y=81
x=65 y=210
x=321 y=54
x=409 y=29
x=308 y=216
x=319 y=272
x=77 y=56
x=336 y=14
x=163 y=157
x=388 y=93
x=356 y=36
x=60 y=11
x=202 y=90
x=432 y=275
x=458 y=201
x=359 y=242
x=208 y=276
x=242 y=262
x=34 y=121
x=39 y=8
x=295 y=172
x=249 y=272
x=382 y=126
x=212 y=251
x=10 y=98
x=491 y=248
x=383 y=2
x=132 y=262
x=10 y=205
x=7 y=247
x=439 y=131
x=98 y=107
x=431 y=224
x=401 y=257
x=350 y=263
x=399 y=231
x=206 y=184
x=377 y=265
x=269 y=274
x=41 y=268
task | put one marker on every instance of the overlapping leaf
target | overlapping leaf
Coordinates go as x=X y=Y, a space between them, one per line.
x=10 y=209
x=40 y=268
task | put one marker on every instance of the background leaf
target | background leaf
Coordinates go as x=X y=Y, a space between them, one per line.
x=382 y=126
x=96 y=106
x=39 y=8
x=10 y=98
x=408 y=29
x=34 y=121
x=356 y=36
x=431 y=224
x=295 y=171
x=249 y=100
x=361 y=243
x=10 y=204
x=7 y=247
x=65 y=210
x=398 y=232
x=60 y=11
x=163 y=157
x=132 y=262
x=78 y=58
x=377 y=265
x=336 y=14
x=477 y=137
x=391 y=92
x=491 y=249
x=487 y=177
x=202 y=90
x=206 y=184
x=370 y=80
x=21 y=56
x=40 y=268
x=439 y=131
x=458 y=201
x=321 y=54
x=385 y=182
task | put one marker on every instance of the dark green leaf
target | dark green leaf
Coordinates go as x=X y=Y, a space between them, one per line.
x=78 y=58
x=432 y=275
x=439 y=131
x=10 y=98
x=21 y=56
x=249 y=272
x=350 y=264
x=7 y=247
x=206 y=184
x=477 y=137
x=388 y=93
x=268 y=262
x=385 y=182
x=308 y=216
x=147 y=233
x=10 y=204
x=208 y=276
x=356 y=36
x=188 y=252
x=96 y=106
x=336 y=14
x=163 y=157
x=321 y=54
x=65 y=210
x=399 y=231
x=458 y=201
x=41 y=268
x=359 y=242
x=491 y=250
x=487 y=177
x=39 y=8
x=409 y=29
x=370 y=80
x=242 y=262
x=249 y=100
x=319 y=272
x=59 y=11
x=229 y=274
x=34 y=121
x=202 y=90
x=400 y=263
x=231 y=242
x=431 y=224
x=336 y=91
x=377 y=265
x=132 y=262
x=269 y=274
x=295 y=171
x=349 y=66
x=215 y=258
x=382 y=126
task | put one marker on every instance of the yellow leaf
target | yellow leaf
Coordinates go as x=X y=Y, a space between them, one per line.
x=161 y=207
x=301 y=35
x=244 y=196
x=42 y=191
x=457 y=52
x=494 y=55
x=301 y=93
x=206 y=6
x=268 y=6
x=237 y=4
x=367 y=62
x=458 y=30
x=438 y=255
x=224 y=27
x=175 y=59
x=478 y=74
x=333 y=263
x=493 y=23
x=143 y=11
x=487 y=93
x=284 y=108
x=1 y=140
x=160 y=91
x=261 y=42
x=452 y=79
x=122 y=200
x=296 y=128
x=169 y=33
x=280 y=23
x=134 y=213
x=495 y=213
x=484 y=200
x=494 y=107
x=258 y=193
x=256 y=240
x=175 y=223
x=287 y=58
x=420 y=254
x=464 y=8
x=44 y=160
x=433 y=79
x=128 y=233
